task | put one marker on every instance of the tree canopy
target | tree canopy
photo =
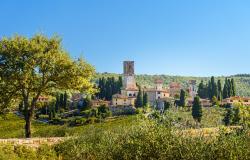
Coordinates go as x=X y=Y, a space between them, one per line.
x=30 y=67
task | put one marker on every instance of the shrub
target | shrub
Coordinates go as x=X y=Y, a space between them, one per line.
x=104 y=112
x=43 y=116
x=139 y=110
x=78 y=121
x=150 y=140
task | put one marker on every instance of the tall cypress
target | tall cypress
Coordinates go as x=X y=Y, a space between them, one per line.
x=228 y=116
x=225 y=89
x=201 y=90
x=212 y=86
x=145 y=99
x=219 y=90
x=120 y=83
x=210 y=92
x=139 y=99
x=197 y=109
x=229 y=88
x=61 y=101
x=183 y=98
x=233 y=87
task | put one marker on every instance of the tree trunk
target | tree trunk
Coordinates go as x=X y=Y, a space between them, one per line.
x=28 y=113
x=28 y=125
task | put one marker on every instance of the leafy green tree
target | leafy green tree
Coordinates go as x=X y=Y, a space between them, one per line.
x=30 y=67
x=139 y=99
x=145 y=99
x=228 y=117
x=197 y=110
x=182 y=98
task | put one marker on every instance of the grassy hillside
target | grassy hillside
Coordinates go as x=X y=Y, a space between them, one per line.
x=147 y=139
x=13 y=127
x=242 y=81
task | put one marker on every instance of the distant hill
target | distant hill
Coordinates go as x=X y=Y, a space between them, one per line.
x=242 y=80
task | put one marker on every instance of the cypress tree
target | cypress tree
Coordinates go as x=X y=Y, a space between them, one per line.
x=233 y=87
x=236 y=116
x=183 y=98
x=209 y=89
x=219 y=90
x=104 y=92
x=229 y=88
x=197 y=110
x=145 y=99
x=228 y=117
x=120 y=83
x=139 y=99
x=113 y=85
x=61 y=100
x=225 y=89
x=201 y=90
x=166 y=105
x=214 y=89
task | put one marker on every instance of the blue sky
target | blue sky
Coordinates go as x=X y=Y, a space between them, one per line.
x=174 y=37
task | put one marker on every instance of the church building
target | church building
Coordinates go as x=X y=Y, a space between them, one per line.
x=129 y=89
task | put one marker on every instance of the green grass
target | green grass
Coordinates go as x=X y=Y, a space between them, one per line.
x=212 y=117
x=13 y=127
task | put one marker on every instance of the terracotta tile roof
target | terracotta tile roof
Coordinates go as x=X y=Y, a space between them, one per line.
x=158 y=81
x=155 y=90
x=175 y=85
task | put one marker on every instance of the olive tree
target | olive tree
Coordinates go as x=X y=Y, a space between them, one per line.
x=31 y=67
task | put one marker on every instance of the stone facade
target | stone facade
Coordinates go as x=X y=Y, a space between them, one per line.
x=128 y=68
x=129 y=89
x=156 y=93
x=237 y=99
x=174 y=89
x=123 y=100
x=192 y=88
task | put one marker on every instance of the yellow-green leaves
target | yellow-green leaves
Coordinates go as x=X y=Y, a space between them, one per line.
x=39 y=65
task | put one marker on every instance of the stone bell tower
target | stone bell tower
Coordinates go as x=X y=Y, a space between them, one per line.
x=128 y=75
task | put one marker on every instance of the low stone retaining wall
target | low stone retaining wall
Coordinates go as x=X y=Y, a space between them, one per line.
x=33 y=142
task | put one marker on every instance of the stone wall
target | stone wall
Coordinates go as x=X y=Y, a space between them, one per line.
x=32 y=142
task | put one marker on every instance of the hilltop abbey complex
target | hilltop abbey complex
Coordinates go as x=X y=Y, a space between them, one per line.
x=156 y=95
